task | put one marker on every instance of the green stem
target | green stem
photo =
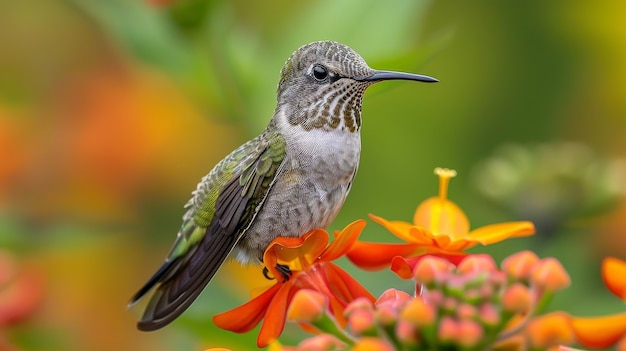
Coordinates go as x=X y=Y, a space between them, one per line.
x=328 y=325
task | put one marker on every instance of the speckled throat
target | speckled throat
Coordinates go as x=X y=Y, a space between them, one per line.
x=337 y=106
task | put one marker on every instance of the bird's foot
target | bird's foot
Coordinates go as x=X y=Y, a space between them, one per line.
x=280 y=269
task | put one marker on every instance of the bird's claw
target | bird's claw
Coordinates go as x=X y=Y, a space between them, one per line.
x=282 y=269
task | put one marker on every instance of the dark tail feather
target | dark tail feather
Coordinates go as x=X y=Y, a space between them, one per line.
x=176 y=292
x=180 y=281
x=160 y=275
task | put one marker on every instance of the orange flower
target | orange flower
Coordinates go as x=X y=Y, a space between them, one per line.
x=309 y=259
x=439 y=228
x=600 y=332
x=605 y=331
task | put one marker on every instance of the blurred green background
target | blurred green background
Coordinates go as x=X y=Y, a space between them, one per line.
x=112 y=110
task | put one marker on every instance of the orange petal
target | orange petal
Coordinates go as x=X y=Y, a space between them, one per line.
x=613 y=274
x=441 y=216
x=397 y=228
x=424 y=237
x=290 y=251
x=344 y=286
x=274 y=321
x=403 y=267
x=494 y=233
x=344 y=289
x=600 y=332
x=344 y=241
x=254 y=310
x=375 y=256
x=445 y=245
x=453 y=257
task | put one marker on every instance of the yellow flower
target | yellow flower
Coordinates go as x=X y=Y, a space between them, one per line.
x=439 y=228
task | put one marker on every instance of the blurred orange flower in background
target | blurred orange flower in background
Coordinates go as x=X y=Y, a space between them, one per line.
x=614 y=276
x=21 y=289
x=21 y=293
x=605 y=331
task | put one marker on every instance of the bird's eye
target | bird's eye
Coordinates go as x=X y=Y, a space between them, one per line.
x=320 y=72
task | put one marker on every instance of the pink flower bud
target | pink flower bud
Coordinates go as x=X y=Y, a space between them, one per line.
x=321 y=342
x=517 y=298
x=549 y=274
x=418 y=313
x=430 y=268
x=476 y=263
x=361 y=321
x=519 y=266
x=307 y=306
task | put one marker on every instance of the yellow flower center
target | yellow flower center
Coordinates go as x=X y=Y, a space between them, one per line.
x=438 y=214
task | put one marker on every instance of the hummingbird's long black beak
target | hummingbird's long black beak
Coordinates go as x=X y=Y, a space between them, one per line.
x=389 y=75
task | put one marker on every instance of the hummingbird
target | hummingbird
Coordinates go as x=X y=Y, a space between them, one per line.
x=289 y=180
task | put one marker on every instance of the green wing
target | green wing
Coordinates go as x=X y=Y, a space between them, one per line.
x=209 y=233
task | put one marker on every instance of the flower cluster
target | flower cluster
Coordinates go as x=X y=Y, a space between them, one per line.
x=461 y=301
x=474 y=306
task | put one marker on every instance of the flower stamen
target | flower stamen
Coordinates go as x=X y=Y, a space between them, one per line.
x=444 y=174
